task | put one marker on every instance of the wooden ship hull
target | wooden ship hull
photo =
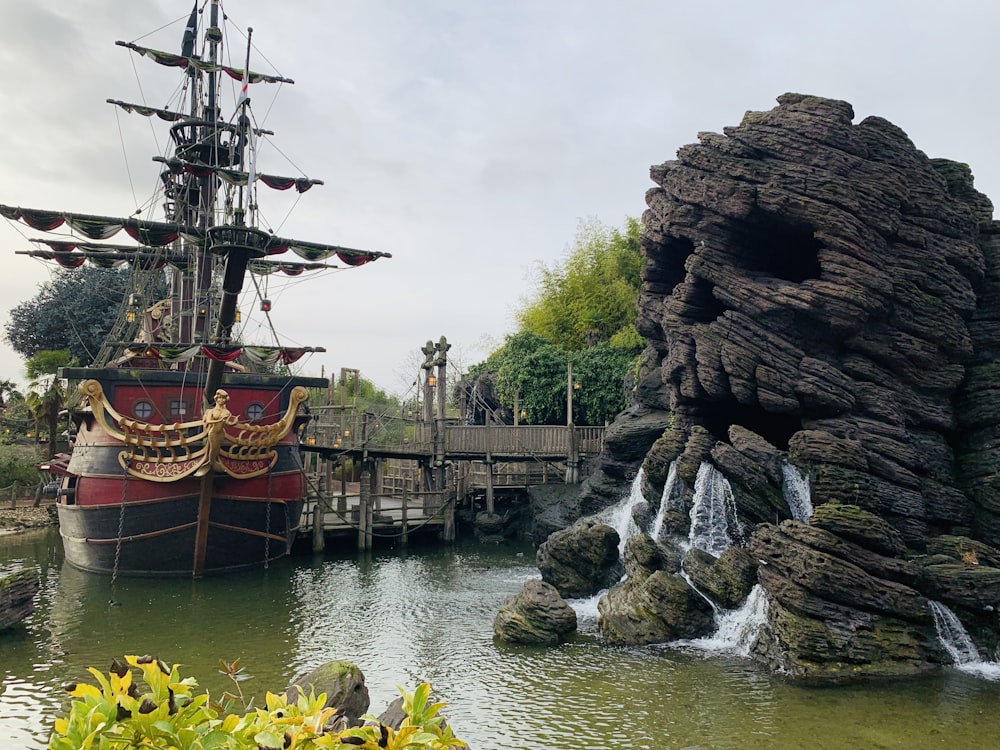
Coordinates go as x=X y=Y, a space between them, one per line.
x=114 y=522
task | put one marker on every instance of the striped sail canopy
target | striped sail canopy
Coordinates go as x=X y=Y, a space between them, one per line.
x=161 y=234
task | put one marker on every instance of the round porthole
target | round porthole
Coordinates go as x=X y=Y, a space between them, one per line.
x=142 y=409
x=255 y=411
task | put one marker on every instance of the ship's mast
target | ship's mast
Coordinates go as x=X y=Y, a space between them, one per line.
x=238 y=242
x=209 y=184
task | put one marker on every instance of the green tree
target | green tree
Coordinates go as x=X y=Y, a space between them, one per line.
x=591 y=296
x=17 y=464
x=583 y=312
x=15 y=417
x=46 y=394
x=74 y=310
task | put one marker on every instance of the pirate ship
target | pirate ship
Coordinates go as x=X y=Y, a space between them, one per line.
x=185 y=455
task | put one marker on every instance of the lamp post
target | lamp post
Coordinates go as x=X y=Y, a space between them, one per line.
x=573 y=453
x=571 y=385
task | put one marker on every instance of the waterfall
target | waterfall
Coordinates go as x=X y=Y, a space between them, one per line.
x=953 y=636
x=667 y=501
x=737 y=630
x=956 y=641
x=713 y=497
x=795 y=488
x=619 y=516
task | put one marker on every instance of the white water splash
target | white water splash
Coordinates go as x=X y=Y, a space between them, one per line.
x=709 y=524
x=795 y=488
x=619 y=517
x=737 y=630
x=956 y=641
x=667 y=502
x=953 y=635
x=586 y=609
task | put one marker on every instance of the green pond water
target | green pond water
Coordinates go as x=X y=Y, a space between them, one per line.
x=427 y=615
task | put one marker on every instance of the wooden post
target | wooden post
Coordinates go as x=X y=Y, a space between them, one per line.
x=573 y=458
x=403 y=519
x=489 y=463
x=201 y=531
x=372 y=490
x=13 y=495
x=569 y=394
x=378 y=487
x=318 y=537
x=572 y=453
x=364 y=509
x=448 y=527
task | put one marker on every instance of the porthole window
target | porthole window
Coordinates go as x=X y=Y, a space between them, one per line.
x=142 y=410
x=255 y=411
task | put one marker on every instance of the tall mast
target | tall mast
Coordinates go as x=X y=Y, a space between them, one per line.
x=238 y=242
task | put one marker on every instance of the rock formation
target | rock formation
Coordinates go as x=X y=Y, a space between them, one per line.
x=17 y=596
x=344 y=685
x=581 y=560
x=536 y=615
x=822 y=292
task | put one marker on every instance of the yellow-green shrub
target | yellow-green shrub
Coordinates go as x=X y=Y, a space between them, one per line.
x=116 y=713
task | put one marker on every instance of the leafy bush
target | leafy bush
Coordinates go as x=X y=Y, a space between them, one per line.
x=167 y=714
x=17 y=464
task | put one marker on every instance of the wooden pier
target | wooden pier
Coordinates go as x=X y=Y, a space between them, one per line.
x=413 y=470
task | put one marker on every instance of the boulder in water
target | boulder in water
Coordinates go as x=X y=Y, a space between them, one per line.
x=726 y=580
x=344 y=685
x=536 y=615
x=582 y=560
x=17 y=596
x=653 y=604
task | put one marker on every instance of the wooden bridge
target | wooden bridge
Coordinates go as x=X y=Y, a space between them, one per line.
x=413 y=474
x=415 y=468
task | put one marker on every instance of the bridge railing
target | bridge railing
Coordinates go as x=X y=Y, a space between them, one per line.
x=339 y=430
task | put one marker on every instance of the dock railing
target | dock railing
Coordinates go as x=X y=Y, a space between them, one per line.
x=333 y=427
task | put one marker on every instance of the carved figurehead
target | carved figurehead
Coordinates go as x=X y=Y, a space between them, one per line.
x=215 y=420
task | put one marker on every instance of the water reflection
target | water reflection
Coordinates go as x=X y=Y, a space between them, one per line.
x=428 y=616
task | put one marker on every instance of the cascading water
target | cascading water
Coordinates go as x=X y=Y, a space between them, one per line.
x=795 y=488
x=713 y=497
x=956 y=641
x=668 y=501
x=737 y=630
x=619 y=517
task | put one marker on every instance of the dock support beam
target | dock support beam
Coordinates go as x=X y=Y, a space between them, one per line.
x=319 y=511
x=365 y=506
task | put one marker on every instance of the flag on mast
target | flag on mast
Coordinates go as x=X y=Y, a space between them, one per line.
x=244 y=88
x=187 y=46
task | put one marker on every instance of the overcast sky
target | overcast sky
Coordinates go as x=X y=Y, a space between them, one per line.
x=467 y=137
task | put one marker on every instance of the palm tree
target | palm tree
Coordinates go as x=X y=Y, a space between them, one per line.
x=46 y=394
x=7 y=387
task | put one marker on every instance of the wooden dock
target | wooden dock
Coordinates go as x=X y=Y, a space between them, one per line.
x=413 y=470
x=408 y=486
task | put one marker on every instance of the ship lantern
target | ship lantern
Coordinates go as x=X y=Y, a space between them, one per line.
x=133 y=305
x=265 y=305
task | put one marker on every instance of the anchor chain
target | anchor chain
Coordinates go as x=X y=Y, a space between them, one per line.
x=267 y=525
x=121 y=531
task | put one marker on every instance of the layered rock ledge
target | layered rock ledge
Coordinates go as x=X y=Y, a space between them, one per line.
x=821 y=292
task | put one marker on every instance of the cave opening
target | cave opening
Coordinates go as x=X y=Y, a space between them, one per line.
x=777 y=429
x=671 y=257
x=704 y=305
x=780 y=248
